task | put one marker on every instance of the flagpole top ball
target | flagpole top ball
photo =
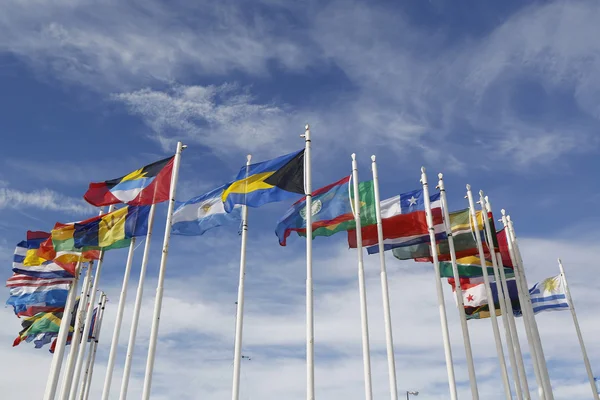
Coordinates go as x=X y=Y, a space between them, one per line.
x=307 y=127
x=503 y=211
x=440 y=176
x=422 y=170
x=353 y=156
x=249 y=157
x=468 y=187
x=481 y=193
x=373 y=157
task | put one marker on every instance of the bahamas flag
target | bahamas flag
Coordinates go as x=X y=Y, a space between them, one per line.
x=148 y=185
x=266 y=182
x=105 y=232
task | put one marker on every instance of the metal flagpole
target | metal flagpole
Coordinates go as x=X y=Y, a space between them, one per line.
x=72 y=393
x=239 y=321
x=586 y=360
x=61 y=340
x=502 y=295
x=534 y=328
x=389 y=338
x=439 y=289
x=87 y=376
x=458 y=292
x=119 y=320
x=361 y=285
x=161 y=277
x=77 y=331
x=490 y=296
x=137 y=308
x=310 y=321
x=512 y=336
x=523 y=291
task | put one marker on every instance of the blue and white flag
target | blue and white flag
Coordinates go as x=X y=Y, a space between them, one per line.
x=196 y=216
x=549 y=295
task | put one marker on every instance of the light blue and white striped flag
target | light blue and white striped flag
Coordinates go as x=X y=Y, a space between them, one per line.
x=549 y=295
x=196 y=216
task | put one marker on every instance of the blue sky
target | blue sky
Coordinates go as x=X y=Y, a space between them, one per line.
x=501 y=96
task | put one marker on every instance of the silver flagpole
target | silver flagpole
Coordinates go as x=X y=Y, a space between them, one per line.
x=119 y=320
x=310 y=321
x=534 y=328
x=89 y=370
x=522 y=289
x=137 y=308
x=458 y=292
x=61 y=340
x=586 y=360
x=161 y=277
x=490 y=296
x=387 y=315
x=361 y=286
x=509 y=320
x=239 y=320
x=503 y=295
x=77 y=331
x=71 y=393
x=439 y=289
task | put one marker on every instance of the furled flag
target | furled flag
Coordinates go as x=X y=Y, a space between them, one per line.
x=148 y=185
x=549 y=295
x=469 y=267
x=404 y=223
x=108 y=231
x=274 y=180
x=196 y=216
x=464 y=240
x=47 y=269
x=475 y=296
x=331 y=211
x=38 y=324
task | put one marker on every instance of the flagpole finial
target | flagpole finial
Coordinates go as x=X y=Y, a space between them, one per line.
x=468 y=187
x=508 y=218
x=373 y=158
x=422 y=170
x=481 y=193
x=440 y=176
x=183 y=146
x=353 y=156
x=559 y=260
x=249 y=157
x=307 y=127
x=503 y=211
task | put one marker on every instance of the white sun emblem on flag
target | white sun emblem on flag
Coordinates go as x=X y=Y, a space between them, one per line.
x=315 y=208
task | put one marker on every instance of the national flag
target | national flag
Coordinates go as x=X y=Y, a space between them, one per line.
x=22 y=297
x=464 y=240
x=475 y=297
x=110 y=231
x=404 y=223
x=63 y=257
x=549 y=295
x=503 y=248
x=148 y=185
x=20 y=280
x=469 y=267
x=331 y=211
x=39 y=324
x=27 y=254
x=196 y=216
x=48 y=269
x=274 y=180
x=32 y=310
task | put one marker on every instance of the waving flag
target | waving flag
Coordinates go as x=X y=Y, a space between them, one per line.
x=331 y=211
x=42 y=323
x=196 y=216
x=269 y=181
x=148 y=185
x=47 y=269
x=549 y=295
x=475 y=297
x=404 y=223
x=469 y=267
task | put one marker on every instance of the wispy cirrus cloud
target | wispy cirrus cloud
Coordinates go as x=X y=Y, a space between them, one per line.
x=44 y=199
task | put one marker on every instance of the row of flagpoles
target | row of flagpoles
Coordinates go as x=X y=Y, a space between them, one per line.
x=281 y=182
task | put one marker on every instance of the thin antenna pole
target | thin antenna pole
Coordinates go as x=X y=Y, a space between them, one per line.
x=387 y=315
x=361 y=286
x=239 y=321
x=439 y=289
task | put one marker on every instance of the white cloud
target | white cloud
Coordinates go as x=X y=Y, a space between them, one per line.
x=44 y=199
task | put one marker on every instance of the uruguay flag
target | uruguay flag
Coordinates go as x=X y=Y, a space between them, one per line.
x=196 y=216
x=549 y=295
